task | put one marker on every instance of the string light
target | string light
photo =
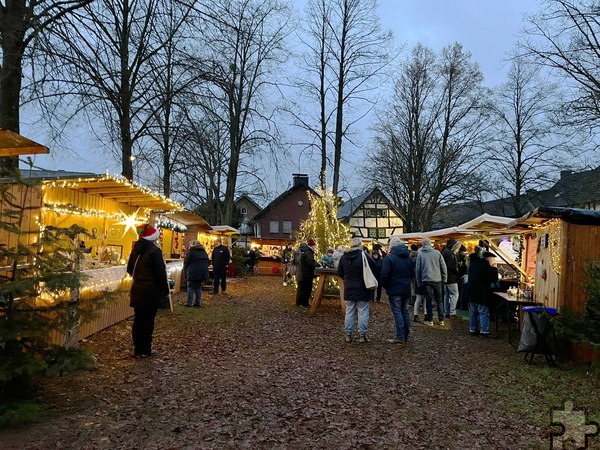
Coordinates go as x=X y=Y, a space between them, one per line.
x=554 y=244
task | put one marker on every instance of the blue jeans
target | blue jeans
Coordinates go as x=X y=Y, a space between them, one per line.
x=194 y=292
x=451 y=298
x=399 y=307
x=433 y=292
x=352 y=308
x=479 y=318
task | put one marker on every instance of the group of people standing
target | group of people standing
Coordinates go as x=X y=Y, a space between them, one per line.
x=424 y=274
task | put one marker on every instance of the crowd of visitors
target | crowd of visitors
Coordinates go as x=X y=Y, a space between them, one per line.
x=444 y=281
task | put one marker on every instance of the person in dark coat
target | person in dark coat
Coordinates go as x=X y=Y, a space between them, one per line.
x=453 y=277
x=150 y=285
x=220 y=263
x=356 y=294
x=376 y=255
x=396 y=276
x=195 y=267
x=305 y=272
x=461 y=259
x=482 y=275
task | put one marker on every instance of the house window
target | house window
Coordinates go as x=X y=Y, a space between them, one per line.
x=244 y=210
x=287 y=227
x=377 y=233
x=374 y=212
x=274 y=226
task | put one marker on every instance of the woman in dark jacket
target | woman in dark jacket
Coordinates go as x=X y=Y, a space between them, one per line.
x=195 y=267
x=377 y=272
x=396 y=276
x=482 y=274
x=356 y=294
x=147 y=267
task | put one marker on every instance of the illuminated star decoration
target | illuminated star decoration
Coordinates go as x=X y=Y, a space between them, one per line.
x=130 y=221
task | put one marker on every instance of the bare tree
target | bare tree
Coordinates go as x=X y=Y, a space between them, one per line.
x=526 y=142
x=22 y=21
x=427 y=139
x=359 y=51
x=102 y=53
x=243 y=49
x=565 y=37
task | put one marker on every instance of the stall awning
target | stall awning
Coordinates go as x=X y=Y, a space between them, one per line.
x=542 y=214
x=224 y=229
x=119 y=190
x=13 y=144
x=186 y=218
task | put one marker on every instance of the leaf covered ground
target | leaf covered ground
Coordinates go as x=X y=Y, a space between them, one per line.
x=250 y=370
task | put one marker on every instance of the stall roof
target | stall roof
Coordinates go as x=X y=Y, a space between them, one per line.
x=120 y=190
x=486 y=222
x=542 y=214
x=224 y=229
x=187 y=218
x=13 y=144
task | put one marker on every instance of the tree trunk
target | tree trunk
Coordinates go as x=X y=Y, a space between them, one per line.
x=10 y=76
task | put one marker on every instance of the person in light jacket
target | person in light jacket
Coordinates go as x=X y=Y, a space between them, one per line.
x=356 y=294
x=431 y=274
x=195 y=267
x=150 y=285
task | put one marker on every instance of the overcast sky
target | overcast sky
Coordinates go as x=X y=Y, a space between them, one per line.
x=486 y=28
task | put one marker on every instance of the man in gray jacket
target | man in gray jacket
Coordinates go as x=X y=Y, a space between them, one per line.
x=431 y=273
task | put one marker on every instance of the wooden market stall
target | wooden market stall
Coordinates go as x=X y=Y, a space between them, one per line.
x=109 y=208
x=559 y=243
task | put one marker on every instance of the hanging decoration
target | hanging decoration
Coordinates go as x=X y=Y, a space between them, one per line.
x=169 y=224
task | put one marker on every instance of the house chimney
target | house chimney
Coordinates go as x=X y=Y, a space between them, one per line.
x=565 y=173
x=300 y=178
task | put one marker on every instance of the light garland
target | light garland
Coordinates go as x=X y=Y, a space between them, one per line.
x=554 y=244
x=169 y=224
x=71 y=209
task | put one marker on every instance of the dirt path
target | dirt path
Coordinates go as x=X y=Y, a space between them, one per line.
x=249 y=370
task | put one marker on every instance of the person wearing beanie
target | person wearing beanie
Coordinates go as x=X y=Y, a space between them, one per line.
x=305 y=272
x=356 y=294
x=150 y=285
x=431 y=273
x=195 y=267
x=396 y=276
x=453 y=278
x=327 y=259
x=220 y=262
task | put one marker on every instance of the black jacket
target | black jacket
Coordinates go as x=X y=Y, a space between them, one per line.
x=196 y=266
x=451 y=263
x=480 y=279
x=350 y=269
x=220 y=257
x=306 y=265
x=149 y=277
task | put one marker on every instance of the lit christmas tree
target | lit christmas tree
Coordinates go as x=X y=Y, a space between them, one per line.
x=322 y=223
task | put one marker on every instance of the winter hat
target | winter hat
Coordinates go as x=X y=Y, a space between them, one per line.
x=194 y=243
x=356 y=242
x=330 y=250
x=148 y=232
x=488 y=255
x=311 y=242
x=426 y=241
x=395 y=241
x=455 y=247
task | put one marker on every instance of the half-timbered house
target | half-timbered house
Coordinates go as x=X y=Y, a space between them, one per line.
x=371 y=215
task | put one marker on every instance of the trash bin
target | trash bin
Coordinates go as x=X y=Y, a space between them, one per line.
x=539 y=335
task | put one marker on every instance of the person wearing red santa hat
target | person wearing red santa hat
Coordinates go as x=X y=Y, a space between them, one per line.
x=150 y=285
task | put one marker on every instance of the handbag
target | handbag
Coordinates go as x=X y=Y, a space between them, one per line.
x=368 y=277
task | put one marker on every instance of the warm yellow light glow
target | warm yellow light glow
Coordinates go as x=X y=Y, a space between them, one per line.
x=130 y=221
